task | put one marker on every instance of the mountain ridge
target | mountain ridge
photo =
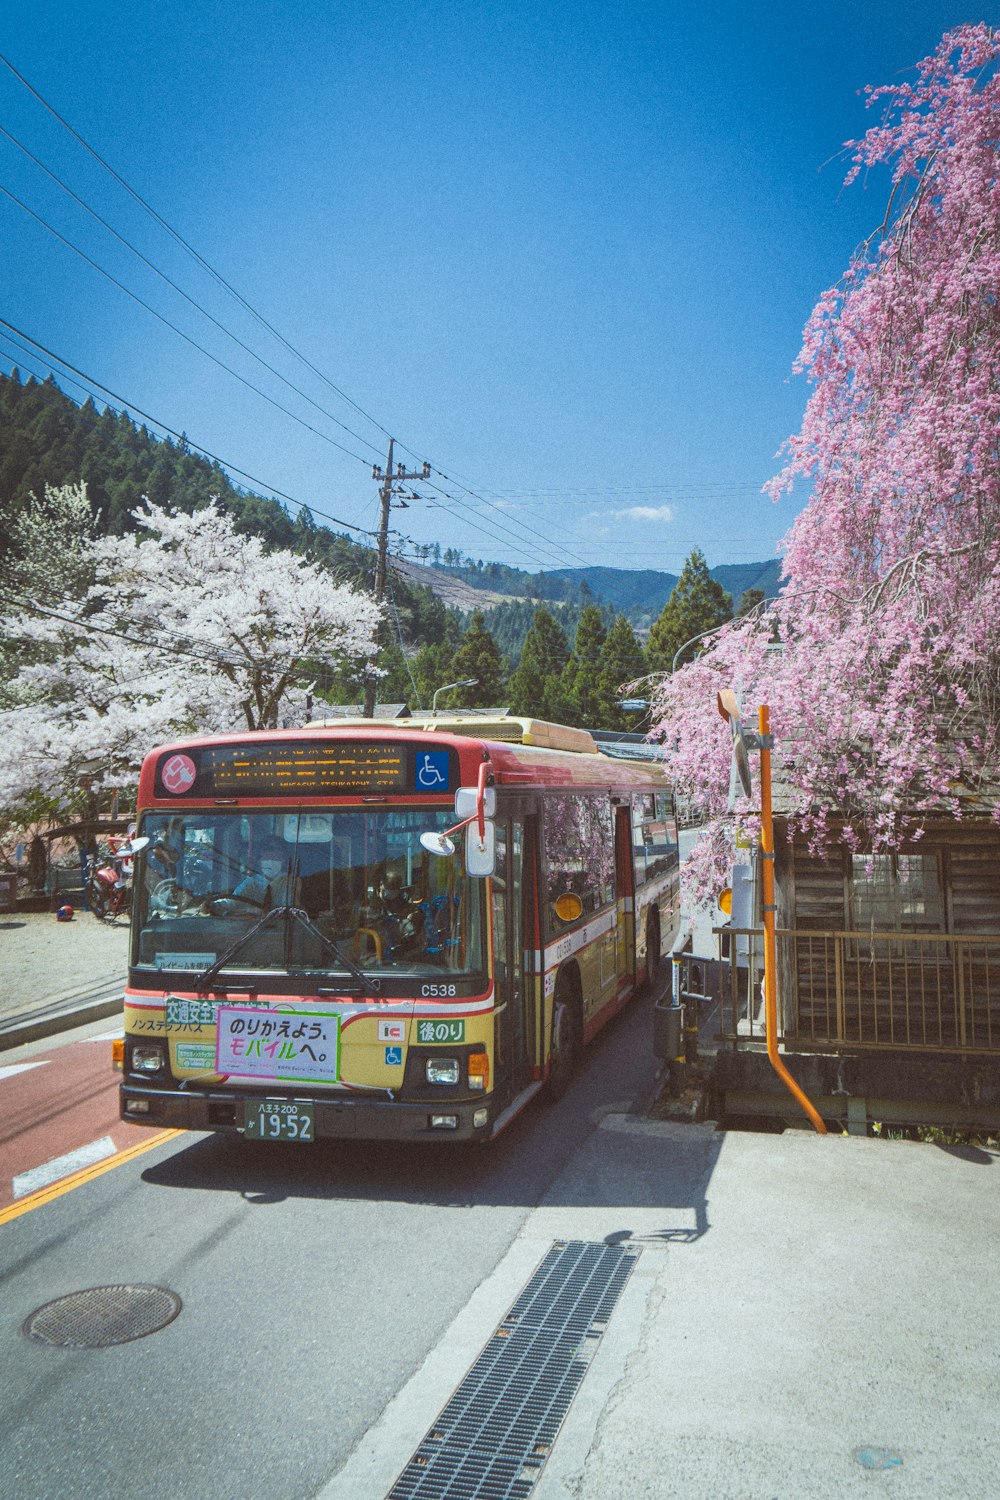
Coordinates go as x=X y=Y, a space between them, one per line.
x=639 y=594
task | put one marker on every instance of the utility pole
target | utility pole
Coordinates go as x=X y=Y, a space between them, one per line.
x=389 y=481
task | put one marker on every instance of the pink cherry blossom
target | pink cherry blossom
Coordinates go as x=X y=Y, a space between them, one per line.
x=881 y=660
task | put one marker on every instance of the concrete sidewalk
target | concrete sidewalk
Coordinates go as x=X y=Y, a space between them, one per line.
x=808 y=1319
x=830 y=1330
x=54 y=975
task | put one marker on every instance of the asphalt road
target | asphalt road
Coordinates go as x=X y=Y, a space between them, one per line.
x=314 y=1282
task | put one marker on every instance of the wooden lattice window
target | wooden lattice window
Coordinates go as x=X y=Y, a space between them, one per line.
x=896 y=893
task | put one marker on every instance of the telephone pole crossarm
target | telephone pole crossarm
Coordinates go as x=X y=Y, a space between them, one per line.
x=388 y=480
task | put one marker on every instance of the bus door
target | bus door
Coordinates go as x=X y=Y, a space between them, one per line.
x=514 y=989
x=625 y=894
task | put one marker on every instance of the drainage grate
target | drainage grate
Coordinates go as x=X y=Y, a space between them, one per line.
x=101 y=1316
x=494 y=1435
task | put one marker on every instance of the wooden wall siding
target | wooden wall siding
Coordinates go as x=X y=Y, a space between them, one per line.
x=973 y=883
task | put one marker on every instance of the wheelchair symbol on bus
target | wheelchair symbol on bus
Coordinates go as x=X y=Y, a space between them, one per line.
x=432 y=770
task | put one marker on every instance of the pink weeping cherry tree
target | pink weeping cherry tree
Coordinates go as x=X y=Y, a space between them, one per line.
x=881 y=658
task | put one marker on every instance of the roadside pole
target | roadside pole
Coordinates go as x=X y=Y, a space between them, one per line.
x=389 y=481
x=742 y=742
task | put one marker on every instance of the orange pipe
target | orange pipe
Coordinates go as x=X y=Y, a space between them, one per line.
x=770 y=947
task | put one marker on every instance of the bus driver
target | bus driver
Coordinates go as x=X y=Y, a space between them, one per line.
x=271 y=884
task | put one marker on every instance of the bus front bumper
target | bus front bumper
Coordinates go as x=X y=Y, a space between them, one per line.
x=335 y=1119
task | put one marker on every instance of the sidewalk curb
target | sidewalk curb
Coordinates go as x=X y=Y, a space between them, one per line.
x=52 y=1019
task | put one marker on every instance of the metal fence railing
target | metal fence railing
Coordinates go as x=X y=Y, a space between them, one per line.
x=922 y=991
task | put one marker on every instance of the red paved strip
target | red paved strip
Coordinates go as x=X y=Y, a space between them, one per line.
x=51 y=1110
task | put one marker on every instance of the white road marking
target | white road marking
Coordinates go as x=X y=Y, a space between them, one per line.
x=12 y=1068
x=106 y=1036
x=62 y=1166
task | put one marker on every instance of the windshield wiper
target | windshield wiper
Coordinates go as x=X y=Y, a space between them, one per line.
x=270 y=919
x=365 y=980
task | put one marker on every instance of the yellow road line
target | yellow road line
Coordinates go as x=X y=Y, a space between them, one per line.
x=85 y=1174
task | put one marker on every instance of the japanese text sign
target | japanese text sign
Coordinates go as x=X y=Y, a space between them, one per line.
x=285 y=1046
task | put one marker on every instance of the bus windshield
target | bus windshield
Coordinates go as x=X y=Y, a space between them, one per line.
x=360 y=876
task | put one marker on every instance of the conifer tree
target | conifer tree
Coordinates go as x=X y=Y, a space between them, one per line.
x=697 y=604
x=536 y=687
x=581 y=676
x=480 y=657
x=749 y=600
x=622 y=661
x=431 y=666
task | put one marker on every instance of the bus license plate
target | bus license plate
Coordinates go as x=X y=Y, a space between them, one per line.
x=278 y=1120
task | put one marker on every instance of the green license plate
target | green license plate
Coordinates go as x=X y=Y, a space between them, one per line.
x=279 y=1120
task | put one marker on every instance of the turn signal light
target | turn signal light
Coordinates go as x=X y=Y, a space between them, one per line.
x=479 y=1071
x=118 y=1051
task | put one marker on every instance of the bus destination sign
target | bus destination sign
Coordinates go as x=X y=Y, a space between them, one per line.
x=294 y=770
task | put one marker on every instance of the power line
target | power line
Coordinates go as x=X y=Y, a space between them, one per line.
x=190 y=248
x=179 y=331
x=562 y=552
x=524 y=528
x=256 y=389
x=180 y=290
x=181 y=437
x=93 y=385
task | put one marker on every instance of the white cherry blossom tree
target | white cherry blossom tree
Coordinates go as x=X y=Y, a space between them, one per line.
x=187 y=627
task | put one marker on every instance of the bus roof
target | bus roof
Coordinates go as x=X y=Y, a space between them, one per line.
x=542 y=754
x=494 y=725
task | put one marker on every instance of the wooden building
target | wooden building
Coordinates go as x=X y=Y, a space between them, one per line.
x=888 y=983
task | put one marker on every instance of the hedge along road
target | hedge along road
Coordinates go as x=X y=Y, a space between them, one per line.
x=314 y=1280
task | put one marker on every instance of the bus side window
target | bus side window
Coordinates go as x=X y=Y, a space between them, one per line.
x=642 y=812
x=667 y=815
x=579 y=851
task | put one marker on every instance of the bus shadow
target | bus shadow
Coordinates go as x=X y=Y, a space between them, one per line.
x=587 y=1152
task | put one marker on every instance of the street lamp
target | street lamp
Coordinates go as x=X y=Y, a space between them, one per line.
x=465 y=682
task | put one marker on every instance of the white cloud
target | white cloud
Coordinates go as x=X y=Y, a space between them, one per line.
x=646 y=512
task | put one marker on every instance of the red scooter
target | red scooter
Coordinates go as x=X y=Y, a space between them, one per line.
x=109 y=887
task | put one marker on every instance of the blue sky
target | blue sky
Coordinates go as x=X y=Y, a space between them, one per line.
x=563 y=252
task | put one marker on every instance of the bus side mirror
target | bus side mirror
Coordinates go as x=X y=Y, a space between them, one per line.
x=467 y=801
x=480 y=853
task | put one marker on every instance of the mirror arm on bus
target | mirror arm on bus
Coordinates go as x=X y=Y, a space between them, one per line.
x=440 y=843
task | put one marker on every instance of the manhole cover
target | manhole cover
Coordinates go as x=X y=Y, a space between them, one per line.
x=101 y=1316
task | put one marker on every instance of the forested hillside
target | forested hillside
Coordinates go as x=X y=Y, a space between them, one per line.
x=45 y=438
x=637 y=593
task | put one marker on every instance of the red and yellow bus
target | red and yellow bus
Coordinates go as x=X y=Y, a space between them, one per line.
x=386 y=931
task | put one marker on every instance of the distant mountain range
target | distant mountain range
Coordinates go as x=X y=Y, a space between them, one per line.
x=645 y=591
x=639 y=594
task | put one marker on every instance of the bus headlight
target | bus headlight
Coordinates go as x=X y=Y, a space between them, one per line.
x=147 y=1058
x=443 y=1070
